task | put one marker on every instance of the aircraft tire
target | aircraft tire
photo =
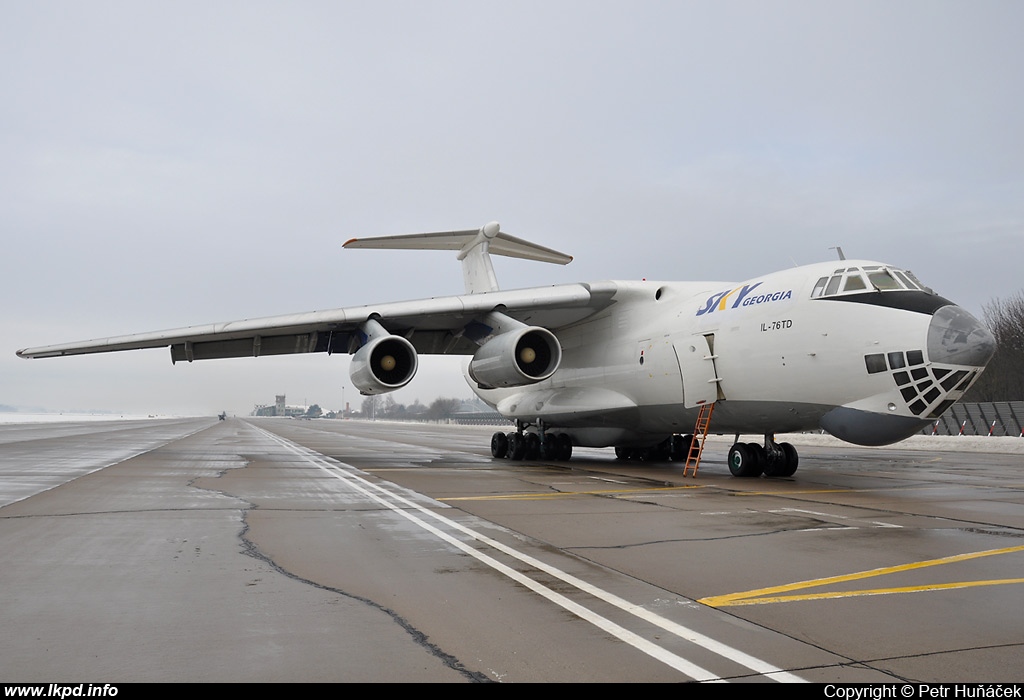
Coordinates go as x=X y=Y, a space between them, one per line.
x=742 y=462
x=660 y=452
x=760 y=457
x=792 y=460
x=532 y=446
x=564 y=443
x=680 y=448
x=775 y=467
x=784 y=464
x=549 y=447
x=516 y=446
x=499 y=445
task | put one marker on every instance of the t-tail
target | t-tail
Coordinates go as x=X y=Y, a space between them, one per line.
x=475 y=247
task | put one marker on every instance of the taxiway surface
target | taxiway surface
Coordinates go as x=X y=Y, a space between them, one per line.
x=284 y=550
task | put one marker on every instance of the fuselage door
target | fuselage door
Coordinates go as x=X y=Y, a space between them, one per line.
x=701 y=383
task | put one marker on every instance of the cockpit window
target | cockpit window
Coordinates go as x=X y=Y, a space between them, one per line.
x=854 y=283
x=883 y=280
x=854 y=280
x=819 y=287
x=906 y=280
x=917 y=282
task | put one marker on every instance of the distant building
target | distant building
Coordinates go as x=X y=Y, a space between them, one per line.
x=280 y=408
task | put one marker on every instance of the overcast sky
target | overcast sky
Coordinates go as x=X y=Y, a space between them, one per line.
x=171 y=163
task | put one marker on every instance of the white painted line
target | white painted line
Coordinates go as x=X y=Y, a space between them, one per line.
x=833 y=516
x=661 y=654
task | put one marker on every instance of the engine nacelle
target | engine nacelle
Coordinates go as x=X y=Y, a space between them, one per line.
x=519 y=357
x=383 y=364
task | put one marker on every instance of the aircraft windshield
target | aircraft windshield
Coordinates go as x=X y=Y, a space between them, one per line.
x=853 y=280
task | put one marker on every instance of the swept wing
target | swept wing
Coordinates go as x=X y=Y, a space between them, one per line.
x=441 y=325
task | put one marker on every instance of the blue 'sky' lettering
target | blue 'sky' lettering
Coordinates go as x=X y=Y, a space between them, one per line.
x=711 y=303
x=720 y=298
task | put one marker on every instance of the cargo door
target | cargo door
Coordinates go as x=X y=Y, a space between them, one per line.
x=701 y=383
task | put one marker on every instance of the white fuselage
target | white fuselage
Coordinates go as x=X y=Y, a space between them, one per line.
x=773 y=357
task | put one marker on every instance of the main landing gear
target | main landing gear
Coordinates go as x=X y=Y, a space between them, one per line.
x=745 y=458
x=773 y=459
x=675 y=448
x=520 y=445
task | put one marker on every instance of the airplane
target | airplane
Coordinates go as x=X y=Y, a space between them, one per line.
x=857 y=348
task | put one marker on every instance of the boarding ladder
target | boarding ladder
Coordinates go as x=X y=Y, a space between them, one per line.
x=700 y=434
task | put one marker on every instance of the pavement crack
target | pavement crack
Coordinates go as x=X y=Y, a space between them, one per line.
x=251 y=549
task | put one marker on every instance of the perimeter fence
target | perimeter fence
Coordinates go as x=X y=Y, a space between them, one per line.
x=996 y=419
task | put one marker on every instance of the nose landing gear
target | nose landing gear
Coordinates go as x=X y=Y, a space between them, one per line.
x=773 y=459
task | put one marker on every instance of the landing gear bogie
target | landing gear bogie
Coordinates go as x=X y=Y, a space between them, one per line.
x=520 y=445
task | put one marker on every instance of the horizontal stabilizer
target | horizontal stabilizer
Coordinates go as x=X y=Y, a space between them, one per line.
x=501 y=244
x=474 y=246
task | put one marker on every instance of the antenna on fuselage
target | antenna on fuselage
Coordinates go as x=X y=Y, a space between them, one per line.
x=839 y=250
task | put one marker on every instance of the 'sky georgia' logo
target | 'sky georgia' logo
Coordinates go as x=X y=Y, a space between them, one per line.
x=743 y=297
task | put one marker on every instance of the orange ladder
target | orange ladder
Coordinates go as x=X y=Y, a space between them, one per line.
x=700 y=434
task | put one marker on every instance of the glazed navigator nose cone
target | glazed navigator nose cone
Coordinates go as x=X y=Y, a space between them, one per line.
x=955 y=337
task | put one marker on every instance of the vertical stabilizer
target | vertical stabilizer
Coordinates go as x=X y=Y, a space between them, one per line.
x=475 y=247
x=477 y=269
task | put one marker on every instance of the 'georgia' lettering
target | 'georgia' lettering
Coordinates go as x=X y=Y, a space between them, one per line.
x=743 y=297
x=721 y=299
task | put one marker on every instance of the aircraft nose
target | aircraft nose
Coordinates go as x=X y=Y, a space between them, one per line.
x=955 y=337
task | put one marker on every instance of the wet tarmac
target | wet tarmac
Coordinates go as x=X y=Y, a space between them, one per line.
x=285 y=550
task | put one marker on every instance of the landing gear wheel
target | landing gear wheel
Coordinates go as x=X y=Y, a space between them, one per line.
x=792 y=459
x=564 y=443
x=680 y=447
x=760 y=457
x=657 y=453
x=784 y=462
x=516 y=446
x=742 y=461
x=624 y=453
x=532 y=446
x=499 y=445
x=549 y=447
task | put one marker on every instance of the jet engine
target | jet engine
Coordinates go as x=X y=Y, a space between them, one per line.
x=526 y=355
x=384 y=363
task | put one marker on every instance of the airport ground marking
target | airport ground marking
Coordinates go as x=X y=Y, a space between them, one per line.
x=391 y=500
x=836 y=516
x=764 y=596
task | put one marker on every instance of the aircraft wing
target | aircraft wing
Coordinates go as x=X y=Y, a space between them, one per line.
x=434 y=326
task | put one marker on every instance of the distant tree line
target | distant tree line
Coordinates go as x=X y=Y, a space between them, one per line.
x=386 y=408
x=1003 y=379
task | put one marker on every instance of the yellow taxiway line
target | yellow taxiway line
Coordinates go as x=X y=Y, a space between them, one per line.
x=762 y=596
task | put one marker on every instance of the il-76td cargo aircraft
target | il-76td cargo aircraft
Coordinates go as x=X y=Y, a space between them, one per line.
x=859 y=348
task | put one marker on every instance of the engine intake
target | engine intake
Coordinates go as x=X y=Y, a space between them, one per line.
x=523 y=356
x=383 y=364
